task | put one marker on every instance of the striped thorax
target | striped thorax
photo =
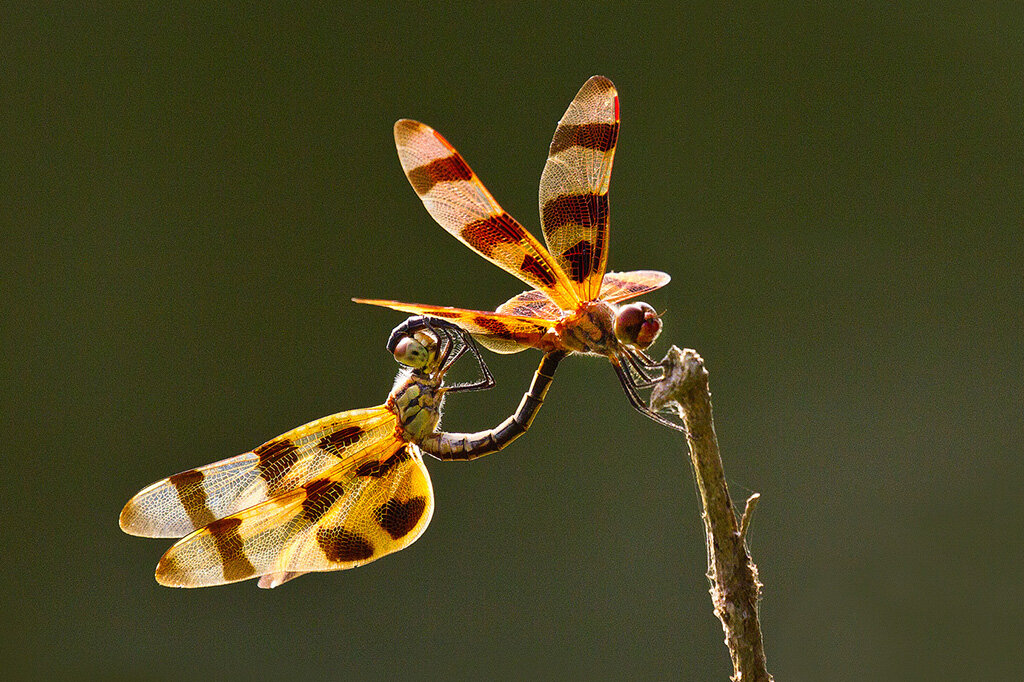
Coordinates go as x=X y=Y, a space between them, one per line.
x=417 y=395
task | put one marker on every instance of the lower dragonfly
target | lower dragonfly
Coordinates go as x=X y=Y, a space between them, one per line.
x=336 y=493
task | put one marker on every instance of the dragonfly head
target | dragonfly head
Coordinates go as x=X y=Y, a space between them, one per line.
x=637 y=324
x=417 y=350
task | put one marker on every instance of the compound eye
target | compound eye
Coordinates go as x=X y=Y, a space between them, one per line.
x=411 y=353
x=637 y=324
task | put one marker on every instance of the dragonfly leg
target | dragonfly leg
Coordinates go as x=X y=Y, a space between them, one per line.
x=406 y=328
x=629 y=385
x=636 y=364
x=483 y=384
x=454 y=343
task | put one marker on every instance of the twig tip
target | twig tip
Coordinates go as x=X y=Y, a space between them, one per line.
x=748 y=512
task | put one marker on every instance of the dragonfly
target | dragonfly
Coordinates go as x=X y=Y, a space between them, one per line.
x=333 y=494
x=575 y=306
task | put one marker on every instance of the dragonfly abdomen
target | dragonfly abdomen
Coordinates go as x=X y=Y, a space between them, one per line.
x=467 y=446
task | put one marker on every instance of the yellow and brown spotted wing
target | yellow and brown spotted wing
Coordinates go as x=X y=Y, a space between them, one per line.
x=192 y=499
x=362 y=509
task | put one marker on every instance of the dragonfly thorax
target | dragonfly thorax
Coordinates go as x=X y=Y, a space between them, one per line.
x=415 y=398
x=590 y=330
x=416 y=402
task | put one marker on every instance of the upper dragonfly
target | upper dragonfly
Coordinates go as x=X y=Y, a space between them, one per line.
x=336 y=493
x=574 y=306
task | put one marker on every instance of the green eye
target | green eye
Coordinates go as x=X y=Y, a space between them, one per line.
x=411 y=353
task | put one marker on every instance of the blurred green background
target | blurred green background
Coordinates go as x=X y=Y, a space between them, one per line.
x=192 y=195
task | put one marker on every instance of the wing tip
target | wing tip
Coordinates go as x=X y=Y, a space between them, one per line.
x=407 y=129
x=601 y=84
x=408 y=124
x=165 y=573
x=126 y=520
x=383 y=303
x=170 y=573
x=133 y=522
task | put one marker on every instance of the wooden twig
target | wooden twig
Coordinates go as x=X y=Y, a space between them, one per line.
x=734 y=586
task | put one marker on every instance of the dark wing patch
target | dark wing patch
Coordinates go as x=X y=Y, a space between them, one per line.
x=276 y=458
x=597 y=136
x=487 y=234
x=580 y=209
x=399 y=518
x=320 y=497
x=230 y=546
x=375 y=469
x=192 y=495
x=492 y=326
x=342 y=438
x=580 y=257
x=449 y=169
x=534 y=268
x=343 y=546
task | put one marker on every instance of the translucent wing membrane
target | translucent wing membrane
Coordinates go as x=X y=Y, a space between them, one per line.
x=499 y=332
x=459 y=202
x=348 y=516
x=533 y=303
x=574 y=185
x=192 y=499
x=617 y=287
x=622 y=286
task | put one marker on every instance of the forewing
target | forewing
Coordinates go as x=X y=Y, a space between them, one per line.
x=347 y=517
x=497 y=331
x=459 y=202
x=192 y=499
x=574 y=185
x=622 y=286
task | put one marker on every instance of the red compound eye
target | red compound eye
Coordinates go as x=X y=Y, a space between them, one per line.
x=637 y=324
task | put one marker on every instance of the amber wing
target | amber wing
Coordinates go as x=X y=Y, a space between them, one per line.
x=500 y=332
x=617 y=287
x=574 y=185
x=459 y=202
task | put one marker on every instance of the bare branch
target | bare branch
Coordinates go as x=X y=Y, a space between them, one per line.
x=734 y=586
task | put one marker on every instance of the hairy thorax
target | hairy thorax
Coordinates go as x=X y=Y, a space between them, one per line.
x=589 y=330
x=417 y=403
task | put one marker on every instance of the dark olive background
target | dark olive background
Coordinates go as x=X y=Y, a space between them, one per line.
x=191 y=197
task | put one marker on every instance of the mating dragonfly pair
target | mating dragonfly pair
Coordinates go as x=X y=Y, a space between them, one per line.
x=350 y=488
